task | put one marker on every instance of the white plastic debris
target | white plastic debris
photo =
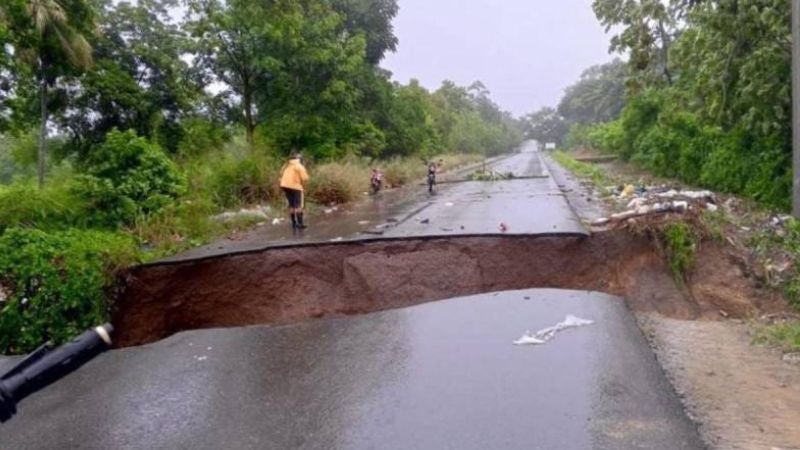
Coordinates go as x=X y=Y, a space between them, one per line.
x=259 y=212
x=712 y=207
x=545 y=335
x=363 y=222
x=276 y=221
x=636 y=203
x=694 y=195
x=338 y=239
x=449 y=204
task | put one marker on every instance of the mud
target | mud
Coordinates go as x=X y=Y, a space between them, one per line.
x=286 y=285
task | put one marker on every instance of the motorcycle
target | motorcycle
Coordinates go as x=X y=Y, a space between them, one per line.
x=47 y=365
x=376 y=183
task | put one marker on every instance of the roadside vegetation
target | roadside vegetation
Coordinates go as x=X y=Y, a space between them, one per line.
x=125 y=133
x=703 y=98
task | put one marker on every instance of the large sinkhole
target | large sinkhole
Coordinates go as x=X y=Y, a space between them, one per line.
x=287 y=285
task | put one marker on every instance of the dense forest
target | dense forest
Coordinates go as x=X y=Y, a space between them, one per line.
x=126 y=126
x=704 y=95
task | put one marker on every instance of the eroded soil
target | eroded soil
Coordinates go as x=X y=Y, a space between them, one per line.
x=286 y=285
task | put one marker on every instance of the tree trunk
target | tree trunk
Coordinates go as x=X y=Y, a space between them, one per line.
x=40 y=157
x=247 y=99
x=665 y=45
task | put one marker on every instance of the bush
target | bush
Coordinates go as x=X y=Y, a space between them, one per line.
x=400 y=172
x=127 y=177
x=59 y=283
x=336 y=183
x=54 y=208
x=201 y=137
x=680 y=244
x=247 y=180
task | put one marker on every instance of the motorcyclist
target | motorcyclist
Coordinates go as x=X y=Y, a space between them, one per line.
x=376 y=180
x=432 y=169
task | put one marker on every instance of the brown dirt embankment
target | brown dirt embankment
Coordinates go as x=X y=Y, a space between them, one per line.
x=286 y=285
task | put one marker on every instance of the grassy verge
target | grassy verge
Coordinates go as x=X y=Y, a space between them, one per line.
x=581 y=169
x=784 y=335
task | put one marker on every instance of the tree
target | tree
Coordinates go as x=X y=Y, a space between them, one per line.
x=49 y=38
x=545 y=125
x=139 y=81
x=598 y=96
x=374 y=19
x=230 y=47
x=647 y=29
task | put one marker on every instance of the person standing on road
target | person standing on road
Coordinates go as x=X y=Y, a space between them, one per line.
x=294 y=178
x=432 y=169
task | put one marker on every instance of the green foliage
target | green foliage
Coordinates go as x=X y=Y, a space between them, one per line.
x=127 y=177
x=680 y=244
x=201 y=137
x=597 y=97
x=246 y=180
x=53 y=208
x=594 y=173
x=58 y=282
x=336 y=183
x=783 y=335
x=546 y=125
x=709 y=101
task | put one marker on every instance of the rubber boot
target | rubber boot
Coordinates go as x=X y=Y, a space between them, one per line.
x=294 y=219
x=300 y=224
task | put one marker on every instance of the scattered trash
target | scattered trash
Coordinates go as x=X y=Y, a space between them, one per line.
x=329 y=210
x=712 y=207
x=257 y=212
x=792 y=358
x=277 y=221
x=363 y=222
x=545 y=335
x=627 y=191
x=448 y=204
x=462 y=227
x=425 y=221
x=338 y=239
x=503 y=228
x=201 y=358
x=489 y=175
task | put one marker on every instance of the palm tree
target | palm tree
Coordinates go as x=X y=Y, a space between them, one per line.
x=59 y=43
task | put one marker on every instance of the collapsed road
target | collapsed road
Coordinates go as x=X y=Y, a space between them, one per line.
x=395 y=373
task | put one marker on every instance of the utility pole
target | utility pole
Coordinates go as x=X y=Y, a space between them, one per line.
x=796 y=107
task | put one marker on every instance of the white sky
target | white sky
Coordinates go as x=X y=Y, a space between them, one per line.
x=525 y=51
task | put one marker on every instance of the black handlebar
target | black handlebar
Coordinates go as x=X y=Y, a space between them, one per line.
x=45 y=365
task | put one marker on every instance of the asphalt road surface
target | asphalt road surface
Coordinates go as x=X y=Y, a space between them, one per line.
x=443 y=375
x=529 y=204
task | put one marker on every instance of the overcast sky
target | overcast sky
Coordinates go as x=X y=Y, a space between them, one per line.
x=525 y=51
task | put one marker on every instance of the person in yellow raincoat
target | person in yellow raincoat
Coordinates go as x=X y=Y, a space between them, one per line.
x=294 y=178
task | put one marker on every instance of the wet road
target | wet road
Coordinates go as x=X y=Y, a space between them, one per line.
x=438 y=376
x=529 y=204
